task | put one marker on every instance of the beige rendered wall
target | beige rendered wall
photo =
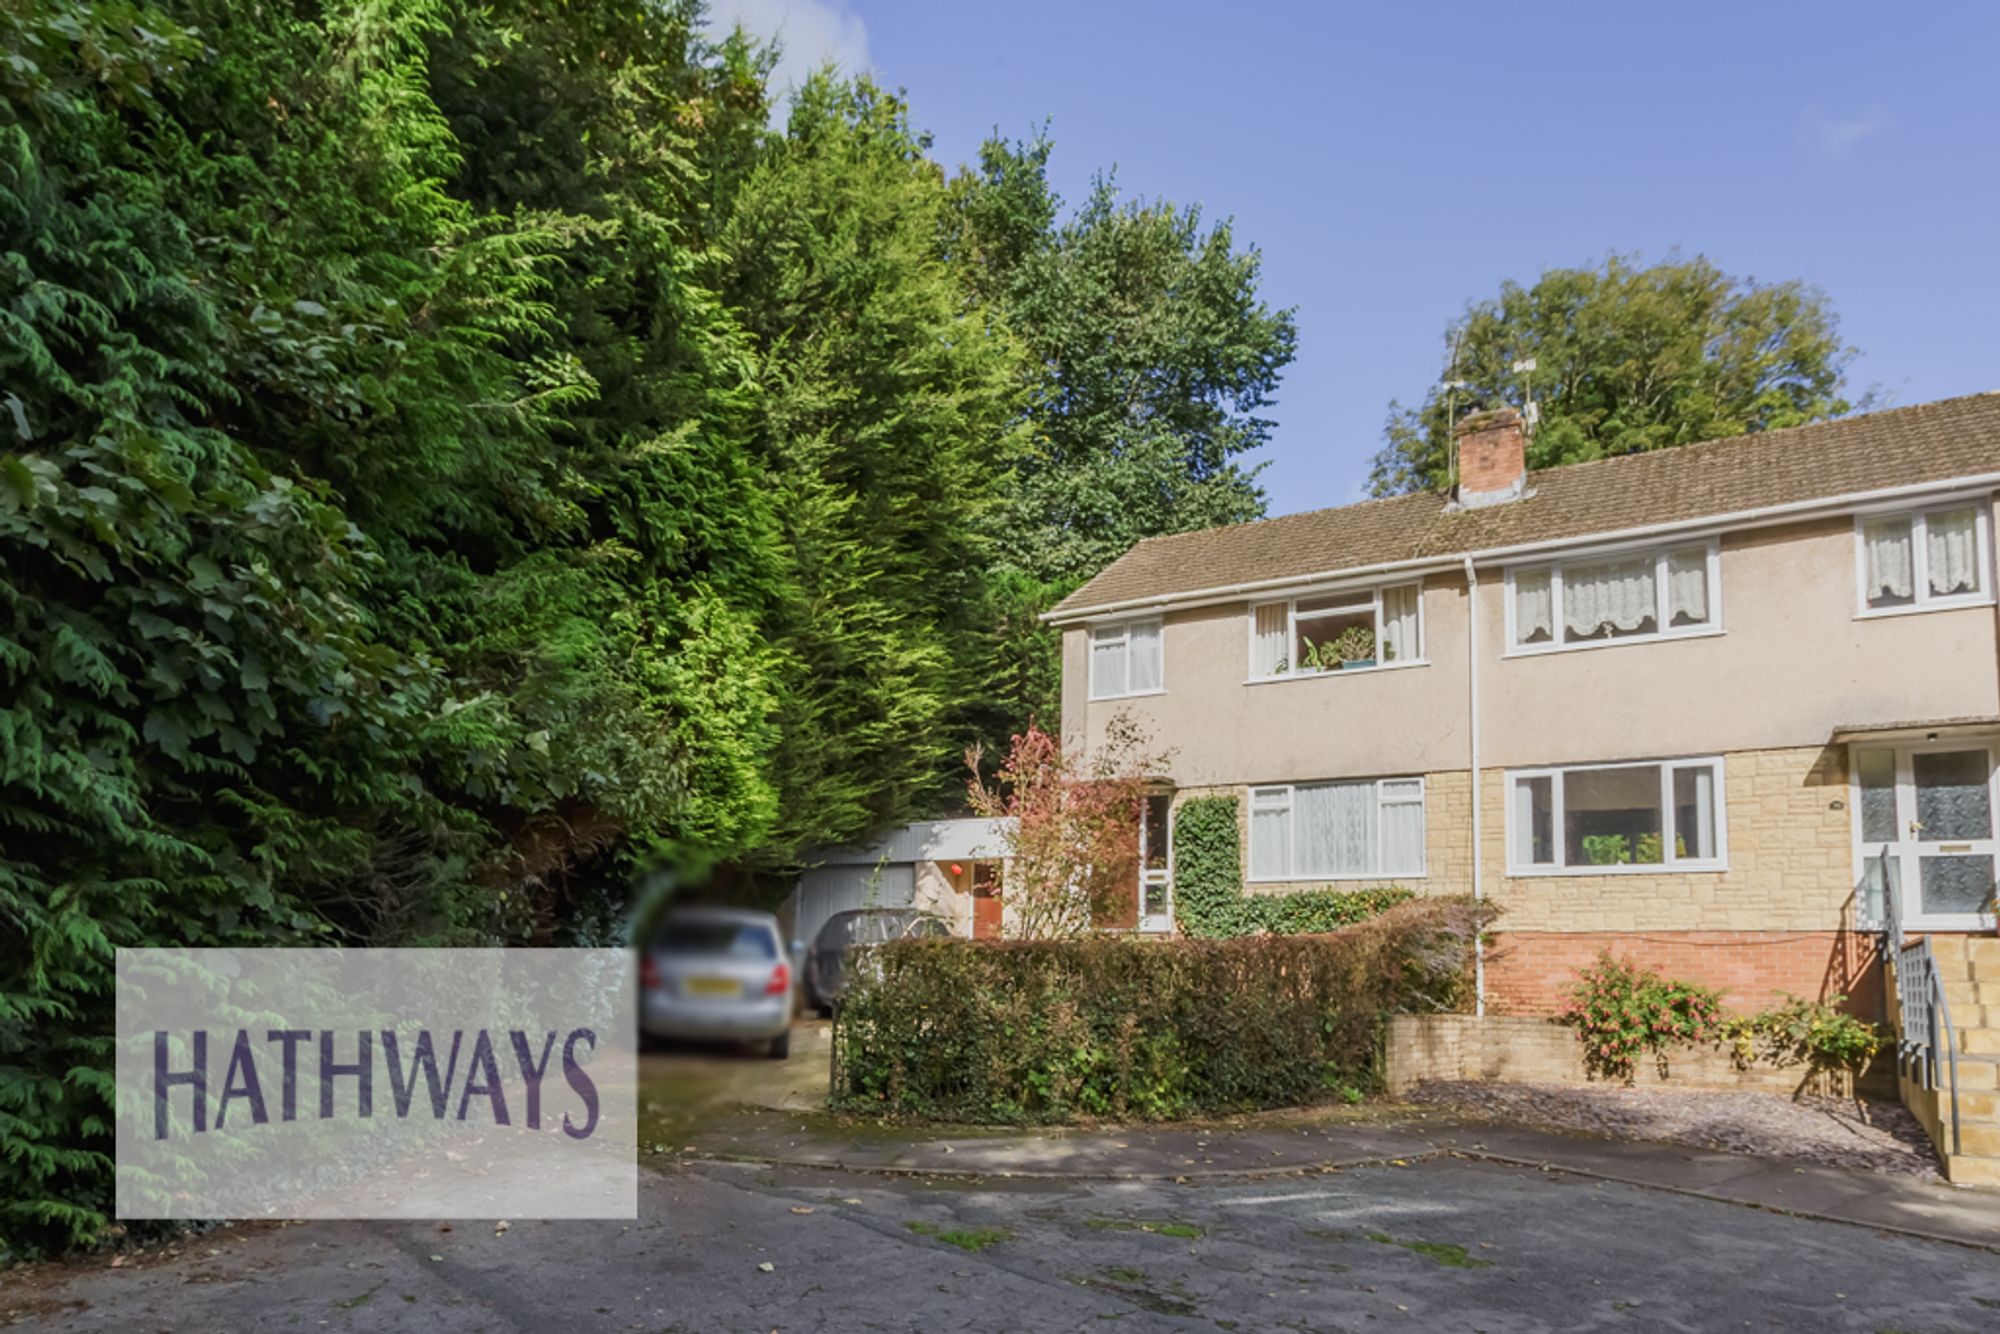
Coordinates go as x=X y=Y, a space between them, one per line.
x=1397 y=720
x=1793 y=663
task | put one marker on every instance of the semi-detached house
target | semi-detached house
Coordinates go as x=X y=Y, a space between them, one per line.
x=1704 y=706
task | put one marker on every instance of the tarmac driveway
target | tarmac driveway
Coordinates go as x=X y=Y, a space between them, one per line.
x=1442 y=1243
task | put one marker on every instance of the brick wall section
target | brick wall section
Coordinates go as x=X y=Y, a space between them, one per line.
x=1529 y=972
x=1492 y=452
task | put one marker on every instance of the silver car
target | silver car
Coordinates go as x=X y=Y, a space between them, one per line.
x=718 y=973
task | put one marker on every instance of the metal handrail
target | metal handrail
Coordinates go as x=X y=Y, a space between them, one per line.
x=1919 y=991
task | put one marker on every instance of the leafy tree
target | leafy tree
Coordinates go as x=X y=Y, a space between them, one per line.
x=1073 y=846
x=887 y=428
x=1627 y=359
x=1152 y=357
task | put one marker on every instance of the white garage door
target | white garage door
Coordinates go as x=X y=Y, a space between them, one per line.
x=826 y=890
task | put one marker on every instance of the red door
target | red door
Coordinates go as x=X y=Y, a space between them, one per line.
x=985 y=901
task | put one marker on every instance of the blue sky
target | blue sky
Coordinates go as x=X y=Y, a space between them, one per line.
x=1395 y=161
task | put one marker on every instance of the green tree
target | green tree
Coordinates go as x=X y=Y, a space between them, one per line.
x=1152 y=358
x=888 y=425
x=1627 y=359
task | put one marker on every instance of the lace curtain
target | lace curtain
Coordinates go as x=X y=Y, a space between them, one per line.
x=1534 y=608
x=1268 y=643
x=1886 y=550
x=1335 y=825
x=1402 y=828
x=1145 y=655
x=1619 y=594
x=1687 y=587
x=1270 y=836
x=1951 y=546
x=1399 y=624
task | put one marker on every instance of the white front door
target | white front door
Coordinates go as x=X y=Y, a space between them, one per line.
x=1926 y=828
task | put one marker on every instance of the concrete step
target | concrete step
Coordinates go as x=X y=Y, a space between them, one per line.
x=1983 y=951
x=1965 y=992
x=1967 y=1169
x=1979 y=1041
x=1979 y=1139
x=1977 y=1104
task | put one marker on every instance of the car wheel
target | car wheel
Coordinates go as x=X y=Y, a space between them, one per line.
x=781 y=1046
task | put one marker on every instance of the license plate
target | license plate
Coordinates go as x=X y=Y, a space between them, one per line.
x=714 y=986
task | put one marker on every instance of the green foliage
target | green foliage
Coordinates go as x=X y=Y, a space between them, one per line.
x=1112 y=1026
x=452 y=454
x=1816 y=1034
x=1151 y=358
x=1621 y=1010
x=1209 y=901
x=1627 y=359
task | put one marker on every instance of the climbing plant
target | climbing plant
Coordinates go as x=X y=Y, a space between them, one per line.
x=1209 y=900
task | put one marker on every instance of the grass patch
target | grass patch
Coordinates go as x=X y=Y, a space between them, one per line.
x=1443 y=1252
x=1186 y=1231
x=970 y=1239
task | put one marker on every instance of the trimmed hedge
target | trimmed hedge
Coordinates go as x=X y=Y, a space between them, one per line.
x=1209 y=901
x=1117 y=1027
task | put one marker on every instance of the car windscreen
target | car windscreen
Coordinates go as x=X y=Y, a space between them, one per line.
x=695 y=936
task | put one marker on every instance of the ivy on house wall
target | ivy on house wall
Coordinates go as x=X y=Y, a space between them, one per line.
x=1208 y=884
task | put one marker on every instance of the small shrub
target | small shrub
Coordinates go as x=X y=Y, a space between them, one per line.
x=1621 y=1010
x=1121 y=1028
x=1817 y=1034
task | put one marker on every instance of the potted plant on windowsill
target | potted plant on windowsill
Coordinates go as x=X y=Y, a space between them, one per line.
x=1353 y=647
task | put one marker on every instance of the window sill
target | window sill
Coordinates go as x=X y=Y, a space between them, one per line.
x=1674 y=868
x=1542 y=650
x=1371 y=877
x=1345 y=671
x=1919 y=608
x=1130 y=694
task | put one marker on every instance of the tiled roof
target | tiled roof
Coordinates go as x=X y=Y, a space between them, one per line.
x=1932 y=442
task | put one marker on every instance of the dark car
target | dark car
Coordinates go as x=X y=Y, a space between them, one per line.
x=826 y=961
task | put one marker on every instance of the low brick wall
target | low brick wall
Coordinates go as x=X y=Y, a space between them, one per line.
x=1531 y=972
x=1520 y=1049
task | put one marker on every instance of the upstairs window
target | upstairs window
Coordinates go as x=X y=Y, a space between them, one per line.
x=1933 y=558
x=1339 y=632
x=1598 y=600
x=1125 y=659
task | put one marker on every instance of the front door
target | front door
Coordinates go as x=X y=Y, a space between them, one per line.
x=1156 y=885
x=1927 y=831
x=986 y=904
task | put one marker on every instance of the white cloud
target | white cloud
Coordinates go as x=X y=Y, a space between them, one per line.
x=1833 y=135
x=809 y=33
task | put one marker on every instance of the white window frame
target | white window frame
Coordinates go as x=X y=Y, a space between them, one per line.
x=1291 y=876
x=1123 y=630
x=1369 y=599
x=1661 y=596
x=1670 y=865
x=1920 y=558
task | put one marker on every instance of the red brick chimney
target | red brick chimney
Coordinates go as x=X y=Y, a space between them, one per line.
x=1492 y=458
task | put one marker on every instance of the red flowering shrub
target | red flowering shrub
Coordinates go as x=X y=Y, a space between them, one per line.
x=1621 y=1009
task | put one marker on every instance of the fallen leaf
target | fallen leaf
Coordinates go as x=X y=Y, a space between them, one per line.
x=501 y=1226
x=437 y=1259
x=850 y=1201
x=766 y=1267
x=802 y=1208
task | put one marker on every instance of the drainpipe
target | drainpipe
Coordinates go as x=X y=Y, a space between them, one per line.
x=1472 y=731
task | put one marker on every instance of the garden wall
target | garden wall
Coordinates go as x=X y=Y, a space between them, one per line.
x=1520 y=1049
